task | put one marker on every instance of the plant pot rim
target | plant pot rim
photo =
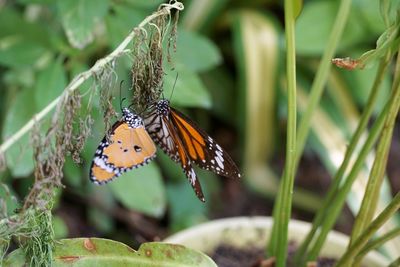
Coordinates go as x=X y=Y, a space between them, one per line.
x=236 y=231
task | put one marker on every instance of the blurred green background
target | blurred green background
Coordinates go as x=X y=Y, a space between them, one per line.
x=229 y=59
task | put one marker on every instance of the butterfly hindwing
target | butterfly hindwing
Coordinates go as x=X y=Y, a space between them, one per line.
x=128 y=146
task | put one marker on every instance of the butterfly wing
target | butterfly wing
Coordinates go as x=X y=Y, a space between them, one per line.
x=202 y=149
x=125 y=149
x=166 y=137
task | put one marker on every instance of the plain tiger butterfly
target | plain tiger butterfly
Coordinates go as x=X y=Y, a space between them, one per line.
x=185 y=143
x=128 y=146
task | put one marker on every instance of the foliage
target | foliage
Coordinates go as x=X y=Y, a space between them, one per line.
x=91 y=251
x=229 y=57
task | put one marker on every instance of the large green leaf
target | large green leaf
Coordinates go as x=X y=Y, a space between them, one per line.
x=189 y=89
x=257 y=53
x=20 y=156
x=82 y=252
x=121 y=22
x=196 y=52
x=22 y=43
x=360 y=84
x=18 y=52
x=141 y=189
x=79 y=18
x=185 y=208
x=314 y=26
x=60 y=227
x=100 y=218
x=369 y=12
x=200 y=16
x=8 y=199
x=13 y=24
x=145 y=4
x=50 y=83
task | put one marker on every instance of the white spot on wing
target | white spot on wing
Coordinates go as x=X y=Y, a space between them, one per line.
x=100 y=162
x=192 y=176
x=219 y=162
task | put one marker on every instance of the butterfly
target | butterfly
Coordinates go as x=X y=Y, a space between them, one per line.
x=185 y=143
x=128 y=146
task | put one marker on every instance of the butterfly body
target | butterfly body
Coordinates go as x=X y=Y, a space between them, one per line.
x=185 y=143
x=128 y=146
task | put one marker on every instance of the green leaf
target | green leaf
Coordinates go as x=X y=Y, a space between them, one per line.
x=19 y=157
x=196 y=52
x=102 y=252
x=360 y=84
x=145 y=4
x=15 y=259
x=72 y=172
x=201 y=16
x=257 y=53
x=60 y=228
x=18 y=52
x=369 y=11
x=121 y=22
x=185 y=208
x=19 y=77
x=141 y=189
x=15 y=25
x=99 y=218
x=320 y=16
x=79 y=18
x=298 y=5
x=30 y=2
x=50 y=83
x=222 y=88
x=8 y=199
x=22 y=43
x=189 y=89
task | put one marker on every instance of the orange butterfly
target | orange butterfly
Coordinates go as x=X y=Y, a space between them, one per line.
x=128 y=146
x=185 y=143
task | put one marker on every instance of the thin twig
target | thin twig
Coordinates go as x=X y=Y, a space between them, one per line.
x=82 y=77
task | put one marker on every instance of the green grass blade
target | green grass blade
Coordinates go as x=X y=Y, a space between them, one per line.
x=285 y=196
x=376 y=243
x=361 y=241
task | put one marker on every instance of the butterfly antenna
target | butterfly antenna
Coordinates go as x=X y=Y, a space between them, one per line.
x=121 y=100
x=173 y=88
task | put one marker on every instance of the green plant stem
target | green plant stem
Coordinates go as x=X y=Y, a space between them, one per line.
x=82 y=77
x=365 y=117
x=321 y=76
x=363 y=238
x=315 y=96
x=336 y=205
x=395 y=263
x=371 y=196
x=283 y=214
x=376 y=243
x=389 y=113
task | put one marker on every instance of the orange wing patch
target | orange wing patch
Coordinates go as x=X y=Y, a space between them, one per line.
x=129 y=147
x=101 y=175
x=193 y=132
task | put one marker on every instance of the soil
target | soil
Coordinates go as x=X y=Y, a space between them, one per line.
x=228 y=256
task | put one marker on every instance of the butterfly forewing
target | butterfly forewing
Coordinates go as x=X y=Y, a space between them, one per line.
x=165 y=136
x=185 y=143
x=128 y=146
x=158 y=129
x=204 y=151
